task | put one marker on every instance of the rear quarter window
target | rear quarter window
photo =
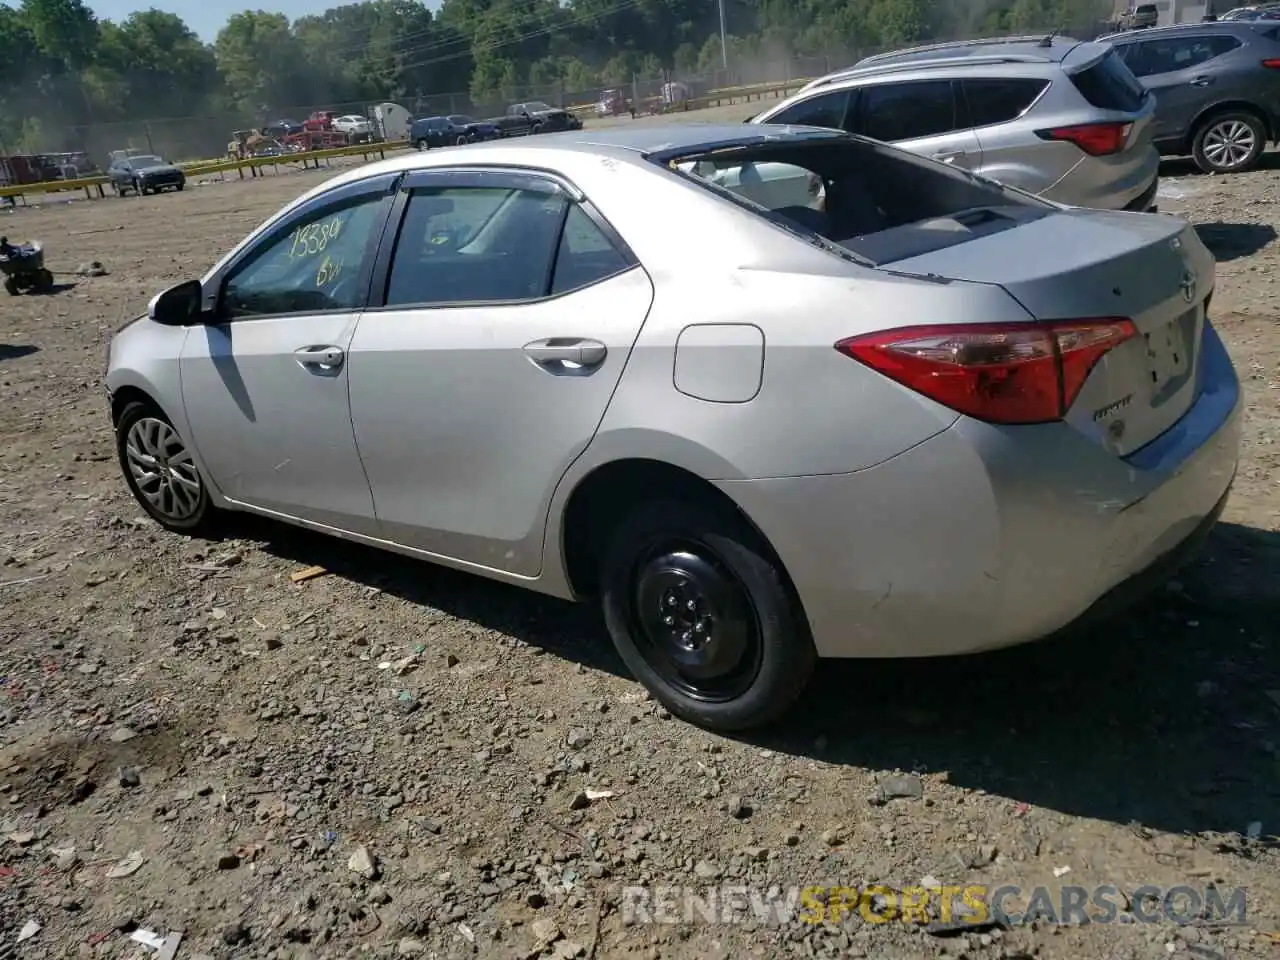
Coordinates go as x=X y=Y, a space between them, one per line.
x=999 y=99
x=1110 y=85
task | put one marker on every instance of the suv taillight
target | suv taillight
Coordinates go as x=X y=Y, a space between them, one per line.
x=1271 y=64
x=1000 y=373
x=1095 y=139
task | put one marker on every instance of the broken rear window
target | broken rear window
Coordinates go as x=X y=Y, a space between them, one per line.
x=877 y=202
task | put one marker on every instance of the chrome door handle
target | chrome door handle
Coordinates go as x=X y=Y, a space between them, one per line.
x=557 y=351
x=1201 y=81
x=946 y=156
x=322 y=358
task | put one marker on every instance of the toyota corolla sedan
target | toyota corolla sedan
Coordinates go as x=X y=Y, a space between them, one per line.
x=876 y=407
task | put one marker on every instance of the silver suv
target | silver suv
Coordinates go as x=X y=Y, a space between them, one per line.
x=1060 y=118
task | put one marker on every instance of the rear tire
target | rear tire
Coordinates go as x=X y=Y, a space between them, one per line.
x=1229 y=142
x=702 y=614
x=461 y=141
x=423 y=145
x=159 y=471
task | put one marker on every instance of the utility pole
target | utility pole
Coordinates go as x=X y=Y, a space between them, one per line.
x=724 y=47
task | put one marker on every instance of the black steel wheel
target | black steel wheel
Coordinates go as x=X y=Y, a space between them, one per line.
x=701 y=613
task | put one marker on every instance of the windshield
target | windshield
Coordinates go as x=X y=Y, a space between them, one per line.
x=858 y=198
x=147 y=161
x=460 y=119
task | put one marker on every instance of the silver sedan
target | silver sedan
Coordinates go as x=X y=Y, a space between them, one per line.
x=769 y=395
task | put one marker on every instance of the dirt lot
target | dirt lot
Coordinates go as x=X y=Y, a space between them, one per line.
x=191 y=742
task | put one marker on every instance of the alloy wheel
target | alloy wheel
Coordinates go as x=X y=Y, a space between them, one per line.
x=162 y=469
x=1229 y=144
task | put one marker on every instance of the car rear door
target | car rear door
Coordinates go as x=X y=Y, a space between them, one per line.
x=499 y=324
x=923 y=116
x=1180 y=71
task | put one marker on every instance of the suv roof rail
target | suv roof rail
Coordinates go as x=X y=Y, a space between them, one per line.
x=873 y=68
x=1038 y=39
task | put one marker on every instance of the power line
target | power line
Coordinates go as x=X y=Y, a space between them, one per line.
x=541 y=32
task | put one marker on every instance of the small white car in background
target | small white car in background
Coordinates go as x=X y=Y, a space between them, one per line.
x=353 y=125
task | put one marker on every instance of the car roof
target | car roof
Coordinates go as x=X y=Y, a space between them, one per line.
x=1212 y=26
x=1047 y=48
x=626 y=145
x=1043 y=52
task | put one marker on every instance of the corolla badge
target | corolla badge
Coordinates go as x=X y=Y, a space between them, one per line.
x=1188 y=284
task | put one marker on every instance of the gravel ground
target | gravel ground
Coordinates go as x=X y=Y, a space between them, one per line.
x=397 y=760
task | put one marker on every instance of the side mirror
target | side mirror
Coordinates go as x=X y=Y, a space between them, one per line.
x=178 y=306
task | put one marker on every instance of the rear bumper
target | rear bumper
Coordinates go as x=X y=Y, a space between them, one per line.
x=1145 y=202
x=986 y=536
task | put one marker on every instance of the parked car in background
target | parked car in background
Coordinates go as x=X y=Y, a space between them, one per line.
x=474 y=130
x=532 y=117
x=998 y=415
x=282 y=128
x=356 y=127
x=1216 y=85
x=143 y=174
x=1269 y=11
x=1140 y=17
x=1057 y=117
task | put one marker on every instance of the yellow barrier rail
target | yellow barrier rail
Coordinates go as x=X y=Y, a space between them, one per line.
x=97 y=185
x=717 y=97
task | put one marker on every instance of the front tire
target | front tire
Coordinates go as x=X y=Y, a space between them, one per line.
x=160 y=471
x=701 y=613
x=11 y=286
x=1229 y=143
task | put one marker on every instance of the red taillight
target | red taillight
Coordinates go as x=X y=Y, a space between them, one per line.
x=1095 y=139
x=1001 y=373
x=1271 y=64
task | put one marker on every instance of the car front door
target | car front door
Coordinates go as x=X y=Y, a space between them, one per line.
x=1178 y=71
x=264 y=381
x=922 y=116
x=486 y=360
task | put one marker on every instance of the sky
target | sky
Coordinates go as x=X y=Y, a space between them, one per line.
x=207 y=17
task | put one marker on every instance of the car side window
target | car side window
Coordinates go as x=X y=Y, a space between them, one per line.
x=825 y=110
x=585 y=255
x=908 y=111
x=313 y=265
x=1153 y=57
x=475 y=245
x=999 y=99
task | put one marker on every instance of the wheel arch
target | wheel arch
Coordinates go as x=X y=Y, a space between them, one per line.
x=1229 y=106
x=603 y=497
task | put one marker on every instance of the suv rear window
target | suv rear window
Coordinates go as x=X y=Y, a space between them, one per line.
x=871 y=200
x=1110 y=85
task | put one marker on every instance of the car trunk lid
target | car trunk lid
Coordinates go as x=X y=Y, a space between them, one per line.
x=1075 y=265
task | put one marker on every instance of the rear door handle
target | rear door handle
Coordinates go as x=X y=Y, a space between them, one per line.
x=946 y=156
x=1201 y=81
x=558 y=351
x=320 y=358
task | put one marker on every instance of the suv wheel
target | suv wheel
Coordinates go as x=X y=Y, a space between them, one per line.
x=702 y=615
x=1229 y=143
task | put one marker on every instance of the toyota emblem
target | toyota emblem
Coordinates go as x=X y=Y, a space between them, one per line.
x=1188 y=285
